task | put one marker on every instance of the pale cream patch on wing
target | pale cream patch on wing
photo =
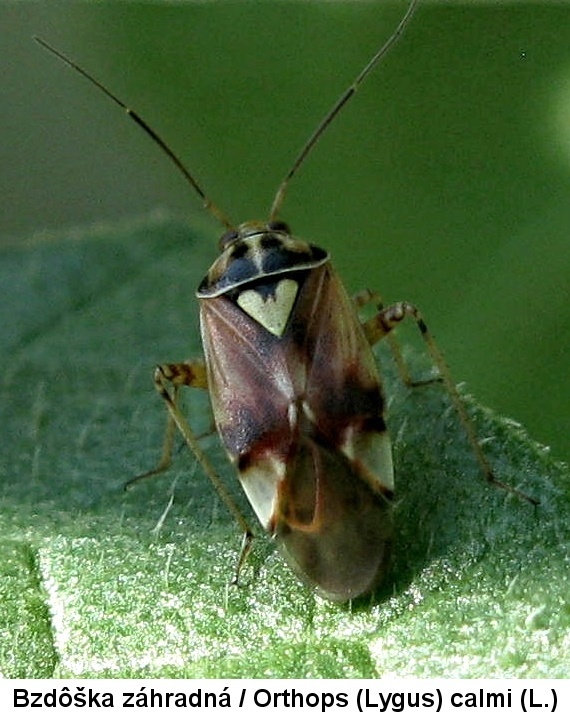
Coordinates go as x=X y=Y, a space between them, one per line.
x=260 y=482
x=373 y=451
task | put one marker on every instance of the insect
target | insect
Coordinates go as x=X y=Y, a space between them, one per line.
x=295 y=390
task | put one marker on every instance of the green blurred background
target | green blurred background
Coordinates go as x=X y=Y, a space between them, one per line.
x=446 y=182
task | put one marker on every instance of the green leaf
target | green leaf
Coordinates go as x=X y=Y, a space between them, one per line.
x=97 y=582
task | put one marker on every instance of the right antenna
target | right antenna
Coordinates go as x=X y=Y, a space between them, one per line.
x=336 y=108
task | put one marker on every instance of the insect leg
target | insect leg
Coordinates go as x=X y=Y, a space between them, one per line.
x=165 y=457
x=194 y=375
x=374 y=333
x=385 y=320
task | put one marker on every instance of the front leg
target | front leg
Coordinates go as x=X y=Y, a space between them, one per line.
x=168 y=379
x=192 y=374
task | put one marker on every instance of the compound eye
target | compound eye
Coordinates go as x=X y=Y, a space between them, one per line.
x=227 y=239
x=279 y=226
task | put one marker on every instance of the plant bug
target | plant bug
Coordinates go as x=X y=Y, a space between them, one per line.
x=295 y=390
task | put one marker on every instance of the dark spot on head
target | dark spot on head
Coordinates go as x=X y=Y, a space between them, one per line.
x=239 y=250
x=279 y=226
x=270 y=242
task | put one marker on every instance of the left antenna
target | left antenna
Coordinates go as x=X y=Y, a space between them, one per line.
x=208 y=204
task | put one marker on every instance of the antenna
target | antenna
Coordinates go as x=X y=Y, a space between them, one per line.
x=336 y=108
x=301 y=157
x=208 y=204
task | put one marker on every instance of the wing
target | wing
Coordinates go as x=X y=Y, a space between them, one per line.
x=251 y=390
x=299 y=408
x=342 y=394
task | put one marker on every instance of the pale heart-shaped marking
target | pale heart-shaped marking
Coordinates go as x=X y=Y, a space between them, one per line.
x=270 y=311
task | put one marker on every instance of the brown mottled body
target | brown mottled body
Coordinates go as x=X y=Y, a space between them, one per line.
x=299 y=406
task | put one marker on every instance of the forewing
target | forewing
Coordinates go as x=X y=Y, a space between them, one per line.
x=343 y=395
x=250 y=390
